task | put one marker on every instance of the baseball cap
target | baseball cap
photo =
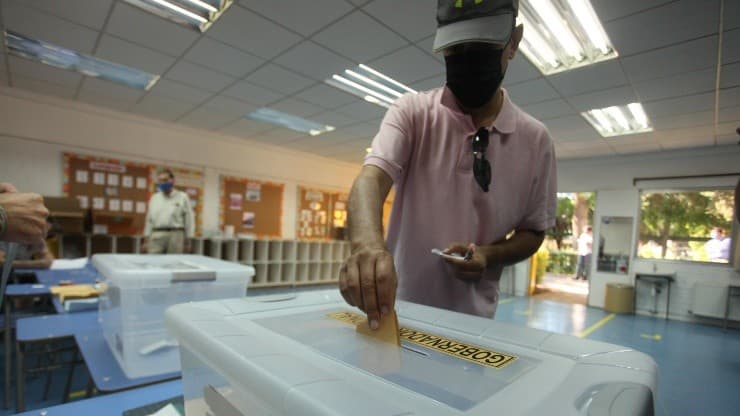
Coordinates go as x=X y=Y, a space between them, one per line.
x=461 y=21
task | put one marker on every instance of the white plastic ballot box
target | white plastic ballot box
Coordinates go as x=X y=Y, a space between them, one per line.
x=303 y=356
x=137 y=291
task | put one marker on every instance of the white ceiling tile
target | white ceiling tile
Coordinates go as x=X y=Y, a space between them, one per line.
x=131 y=23
x=332 y=118
x=359 y=37
x=701 y=118
x=326 y=96
x=43 y=87
x=684 y=57
x=531 y=92
x=304 y=17
x=604 y=98
x=251 y=93
x=363 y=131
x=296 y=107
x=205 y=118
x=324 y=62
x=280 y=135
x=435 y=81
x=414 y=19
x=178 y=91
x=697 y=133
x=729 y=97
x=311 y=144
x=574 y=136
x=730 y=75
x=684 y=143
x=677 y=85
x=99 y=92
x=199 y=77
x=731 y=46
x=246 y=128
x=279 y=79
x=595 y=77
x=665 y=25
x=643 y=139
x=427 y=45
x=161 y=108
x=90 y=13
x=42 y=26
x=681 y=105
x=729 y=114
x=550 y=109
x=637 y=148
x=568 y=124
x=408 y=65
x=520 y=70
x=361 y=110
x=230 y=106
x=251 y=33
x=132 y=55
x=43 y=72
x=216 y=55
x=609 y=9
x=731 y=12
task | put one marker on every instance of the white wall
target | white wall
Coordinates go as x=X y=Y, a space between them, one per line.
x=612 y=179
x=35 y=130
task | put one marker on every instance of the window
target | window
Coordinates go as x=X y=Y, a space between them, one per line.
x=686 y=225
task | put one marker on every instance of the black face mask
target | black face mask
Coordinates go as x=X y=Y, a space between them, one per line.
x=474 y=75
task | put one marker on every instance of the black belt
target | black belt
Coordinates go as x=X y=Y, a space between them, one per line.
x=168 y=229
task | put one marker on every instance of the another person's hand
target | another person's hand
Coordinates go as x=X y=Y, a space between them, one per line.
x=26 y=217
x=471 y=265
x=368 y=280
x=7 y=187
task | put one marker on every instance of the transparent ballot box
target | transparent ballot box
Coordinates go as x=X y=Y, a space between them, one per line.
x=301 y=355
x=137 y=291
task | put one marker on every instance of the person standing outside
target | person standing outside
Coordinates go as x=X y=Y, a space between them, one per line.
x=585 y=250
x=169 y=220
x=469 y=168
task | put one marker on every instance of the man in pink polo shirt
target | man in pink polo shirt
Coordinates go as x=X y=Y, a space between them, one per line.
x=469 y=168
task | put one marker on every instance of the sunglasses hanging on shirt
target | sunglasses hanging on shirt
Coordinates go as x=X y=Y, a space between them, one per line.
x=481 y=166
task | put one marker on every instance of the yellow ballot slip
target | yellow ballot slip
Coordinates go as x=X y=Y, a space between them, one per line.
x=74 y=292
x=387 y=329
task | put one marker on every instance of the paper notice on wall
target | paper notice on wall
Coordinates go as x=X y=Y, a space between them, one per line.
x=99 y=178
x=127 y=181
x=114 y=205
x=140 y=207
x=235 y=201
x=127 y=205
x=112 y=179
x=81 y=176
x=100 y=229
x=140 y=182
x=98 y=203
x=84 y=201
x=248 y=219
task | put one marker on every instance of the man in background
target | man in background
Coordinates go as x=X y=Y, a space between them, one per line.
x=169 y=220
x=718 y=247
x=585 y=248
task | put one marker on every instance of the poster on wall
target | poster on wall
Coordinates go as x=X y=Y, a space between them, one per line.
x=248 y=220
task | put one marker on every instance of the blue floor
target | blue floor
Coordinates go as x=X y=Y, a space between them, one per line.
x=699 y=366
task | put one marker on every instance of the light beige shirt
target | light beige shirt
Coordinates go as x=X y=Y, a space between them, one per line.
x=173 y=211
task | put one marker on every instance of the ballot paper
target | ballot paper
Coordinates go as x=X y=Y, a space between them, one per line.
x=68 y=264
x=387 y=329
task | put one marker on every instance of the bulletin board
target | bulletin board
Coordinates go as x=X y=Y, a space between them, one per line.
x=191 y=182
x=314 y=214
x=117 y=191
x=252 y=206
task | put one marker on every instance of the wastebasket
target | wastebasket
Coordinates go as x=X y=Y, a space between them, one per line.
x=619 y=298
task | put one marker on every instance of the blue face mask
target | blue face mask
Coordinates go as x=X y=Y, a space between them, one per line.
x=165 y=186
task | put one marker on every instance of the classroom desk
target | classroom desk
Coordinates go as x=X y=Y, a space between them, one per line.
x=14 y=292
x=114 y=404
x=103 y=366
x=49 y=277
x=44 y=329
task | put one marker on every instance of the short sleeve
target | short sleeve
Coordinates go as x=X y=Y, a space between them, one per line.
x=542 y=204
x=391 y=147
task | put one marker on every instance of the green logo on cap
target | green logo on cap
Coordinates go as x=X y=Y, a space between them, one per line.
x=459 y=3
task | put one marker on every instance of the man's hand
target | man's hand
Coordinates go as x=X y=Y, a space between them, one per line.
x=7 y=187
x=368 y=280
x=26 y=217
x=471 y=264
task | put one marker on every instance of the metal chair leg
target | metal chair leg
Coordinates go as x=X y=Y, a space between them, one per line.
x=70 y=375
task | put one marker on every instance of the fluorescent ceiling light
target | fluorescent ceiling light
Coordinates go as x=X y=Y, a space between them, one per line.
x=289 y=121
x=619 y=120
x=370 y=85
x=49 y=54
x=560 y=35
x=195 y=14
